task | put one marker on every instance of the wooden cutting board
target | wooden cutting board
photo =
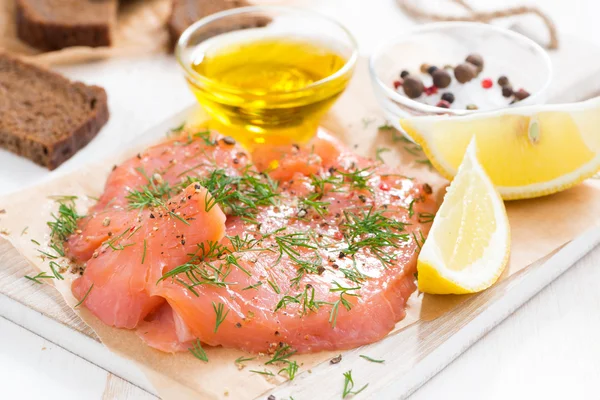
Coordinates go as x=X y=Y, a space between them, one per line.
x=43 y=311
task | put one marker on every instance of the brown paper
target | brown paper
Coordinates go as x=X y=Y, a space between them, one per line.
x=538 y=227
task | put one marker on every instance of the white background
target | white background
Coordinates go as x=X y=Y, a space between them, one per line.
x=548 y=349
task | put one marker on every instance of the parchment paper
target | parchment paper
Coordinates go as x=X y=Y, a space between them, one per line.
x=140 y=30
x=538 y=227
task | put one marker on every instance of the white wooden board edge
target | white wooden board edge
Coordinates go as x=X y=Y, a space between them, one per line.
x=73 y=341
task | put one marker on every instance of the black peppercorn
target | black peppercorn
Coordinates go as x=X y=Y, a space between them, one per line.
x=404 y=74
x=413 y=87
x=449 y=97
x=503 y=81
x=441 y=78
x=521 y=94
x=229 y=140
x=507 y=91
x=432 y=69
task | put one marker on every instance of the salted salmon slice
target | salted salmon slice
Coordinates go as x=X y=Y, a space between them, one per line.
x=341 y=300
x=317 y=250
x=189 y=154
x=164 y=330
x=114 y=285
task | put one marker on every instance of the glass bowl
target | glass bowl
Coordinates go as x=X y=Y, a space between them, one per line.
x=259 y=45
x=524 y=62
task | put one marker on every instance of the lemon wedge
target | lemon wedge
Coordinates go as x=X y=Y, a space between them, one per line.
x=468 y=245
x=527 y=152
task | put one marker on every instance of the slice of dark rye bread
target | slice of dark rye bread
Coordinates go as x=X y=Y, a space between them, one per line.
x=44 y=116
x=185 y=12
x=56 y=24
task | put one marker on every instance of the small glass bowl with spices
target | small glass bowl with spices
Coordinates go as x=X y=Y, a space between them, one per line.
x=458 y=68
x=266 y=74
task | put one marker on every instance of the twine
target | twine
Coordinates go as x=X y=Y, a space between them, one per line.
x=476 y=16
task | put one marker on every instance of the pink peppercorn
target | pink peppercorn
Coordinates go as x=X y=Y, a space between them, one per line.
x=431 y=90
x=487 y=83
x=398 y=83
x=384 y=186
x=443 y=104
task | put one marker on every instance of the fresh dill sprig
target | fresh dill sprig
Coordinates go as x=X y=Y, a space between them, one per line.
x=274 y=286
x=359 y=178
x=239 y=195
x=367 y=121
x=144 y=252
x=374 y=231
x=411 y=206
x=242 y=359
x=220 y=317
x=353 y=274
x=55 y=267
x=379 y=152
x=291 y=242
x=281 y=356
x=41 y=275
x=349 y=385
x=85 y=296
x=254 y=286
x=425 y=161
x=322 y=183
x=372 y=359
x=419 y=240
x=290 y=369
x=154 y=194
x=264 y=372
x=64 y=223
x=313 y=202
x=306 y=300
x=385 y=127
x=426 y=217
x=198 y=352
x=343 y=291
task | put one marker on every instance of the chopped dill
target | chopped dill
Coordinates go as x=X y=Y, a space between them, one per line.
x=385 y=127
x=144 y=252
x=55 y=268
x=254 y=286
x=85 y=296
x=220 y=317
x=349 y=385
x=372 y=359
x=342 y=300
x=41 y=275
x=426 y=217
x=379 y=152
x=264 y=372
x=198 y=352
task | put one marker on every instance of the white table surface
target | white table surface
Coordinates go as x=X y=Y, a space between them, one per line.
x=548 y=349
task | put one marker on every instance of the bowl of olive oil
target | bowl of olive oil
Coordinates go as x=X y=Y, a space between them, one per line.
x=267 y=74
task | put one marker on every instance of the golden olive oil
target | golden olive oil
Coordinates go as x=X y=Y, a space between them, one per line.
x=266 y=90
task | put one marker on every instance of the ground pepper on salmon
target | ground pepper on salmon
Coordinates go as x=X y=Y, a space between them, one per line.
x=293 y=247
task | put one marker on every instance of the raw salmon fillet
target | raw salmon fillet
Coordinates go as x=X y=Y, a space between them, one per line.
x=313 y=247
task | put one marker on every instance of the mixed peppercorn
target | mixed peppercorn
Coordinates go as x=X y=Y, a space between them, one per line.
x=413 y=86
